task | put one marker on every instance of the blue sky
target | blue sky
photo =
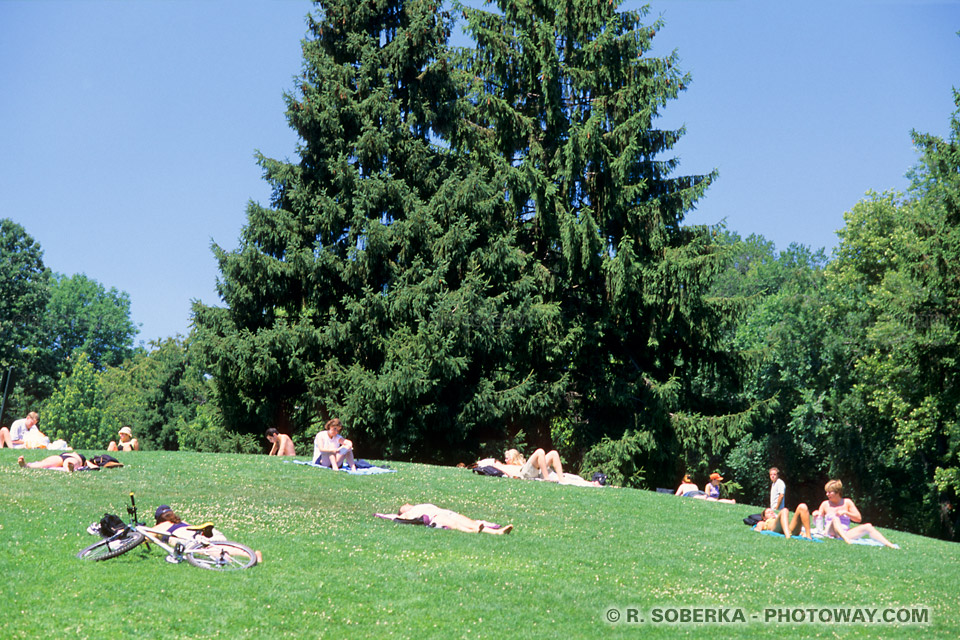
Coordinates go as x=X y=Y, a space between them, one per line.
x=127 y=129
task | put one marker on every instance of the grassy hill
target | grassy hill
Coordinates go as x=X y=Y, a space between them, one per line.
x=332 y=570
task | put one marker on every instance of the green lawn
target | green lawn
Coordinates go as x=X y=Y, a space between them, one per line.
x=333 y=570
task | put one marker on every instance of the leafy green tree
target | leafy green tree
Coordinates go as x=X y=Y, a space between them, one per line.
x=156 y=391
x=569 y=96
x=897 y=283
x=24 y=290
x=75 y=411
x=83 y=315
x=384 y=284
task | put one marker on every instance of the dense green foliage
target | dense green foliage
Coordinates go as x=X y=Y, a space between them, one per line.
x=75 y=411
x=857 y=356
x=83 y=315
x=24 y=291
x=333 y=570
x=475 y=243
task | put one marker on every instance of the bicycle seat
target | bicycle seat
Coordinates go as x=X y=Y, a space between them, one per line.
x=205 y=529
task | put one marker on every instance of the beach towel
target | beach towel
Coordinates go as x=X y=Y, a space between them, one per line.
x=780 y=535
x=368 y=470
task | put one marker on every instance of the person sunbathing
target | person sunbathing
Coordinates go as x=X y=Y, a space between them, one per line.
x=838 y=512
x=282 y=444
x=688 y=489
x=777 y=522
x=330 y=449
x=69 y=461
x=167 y=521
x=537 y=466
x=712 y=489
x=447 y=519
x=127 y=441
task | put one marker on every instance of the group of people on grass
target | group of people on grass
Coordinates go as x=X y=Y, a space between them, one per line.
x=25 y=434
x=837 y=517
x=711 y=490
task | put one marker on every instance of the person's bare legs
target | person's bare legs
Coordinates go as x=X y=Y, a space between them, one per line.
x=537 y=459
x=799 y=522
x=553 y=459
x=50 y=462
x=344 y=457
x=112 y=446
x=5 y=438
x=868 y=530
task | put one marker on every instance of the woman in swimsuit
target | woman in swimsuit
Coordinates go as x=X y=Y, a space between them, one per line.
x=838 y=512
x=712 y=489
x=127 y=441
x=66 y=461
x=777 y=522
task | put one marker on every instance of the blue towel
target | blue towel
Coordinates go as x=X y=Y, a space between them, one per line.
x=364 y=471
x=780 y=535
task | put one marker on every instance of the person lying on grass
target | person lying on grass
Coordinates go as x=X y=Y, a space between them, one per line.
x=282 y=444
x=65 y=462
x=167 y=521
x=538 y=466
x=777 y=522
x=330 y=449
x=688 y=489
x=838 y=512
x=447 y=519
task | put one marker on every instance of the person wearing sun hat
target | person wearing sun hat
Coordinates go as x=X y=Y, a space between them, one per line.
x=713 y=489
x=127 y=441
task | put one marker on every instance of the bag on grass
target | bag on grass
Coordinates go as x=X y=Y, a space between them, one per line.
x=105 y=462
x=488 y=471
x=753 y=520
x=110 y=524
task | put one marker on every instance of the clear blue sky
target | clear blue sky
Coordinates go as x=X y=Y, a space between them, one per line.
x=127 y=129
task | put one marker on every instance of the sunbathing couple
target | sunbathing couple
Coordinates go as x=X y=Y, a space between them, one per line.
x=544 y=465
x=836 y=512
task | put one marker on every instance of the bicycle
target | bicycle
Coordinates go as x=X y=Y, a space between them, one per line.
x=202 y=552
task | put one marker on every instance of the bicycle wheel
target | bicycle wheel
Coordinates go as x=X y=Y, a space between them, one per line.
x=221 y=556
x=112 y=547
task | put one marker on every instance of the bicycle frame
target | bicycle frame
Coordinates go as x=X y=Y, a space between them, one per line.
x=206 y=553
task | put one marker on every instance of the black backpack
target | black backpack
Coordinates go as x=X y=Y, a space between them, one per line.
x=110 y=525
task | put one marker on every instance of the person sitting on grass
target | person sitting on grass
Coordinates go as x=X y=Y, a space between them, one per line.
x=712 y=489
x=127 y=441
x=447 y=519
x=69 y=461
x=168 y=522
x=15 y=436
x=688 y=489
x=777 y=522
x=330 y=449
x=838 y=512
x=282 y=444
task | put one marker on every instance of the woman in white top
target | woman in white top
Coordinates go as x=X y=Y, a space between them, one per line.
x=330 y=449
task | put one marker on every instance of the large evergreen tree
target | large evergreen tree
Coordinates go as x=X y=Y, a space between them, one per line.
x=384 y=284
x=570 y=95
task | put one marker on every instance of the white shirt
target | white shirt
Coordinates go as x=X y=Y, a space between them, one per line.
x=777 y=489
x=18 y=431
x=324 y=441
